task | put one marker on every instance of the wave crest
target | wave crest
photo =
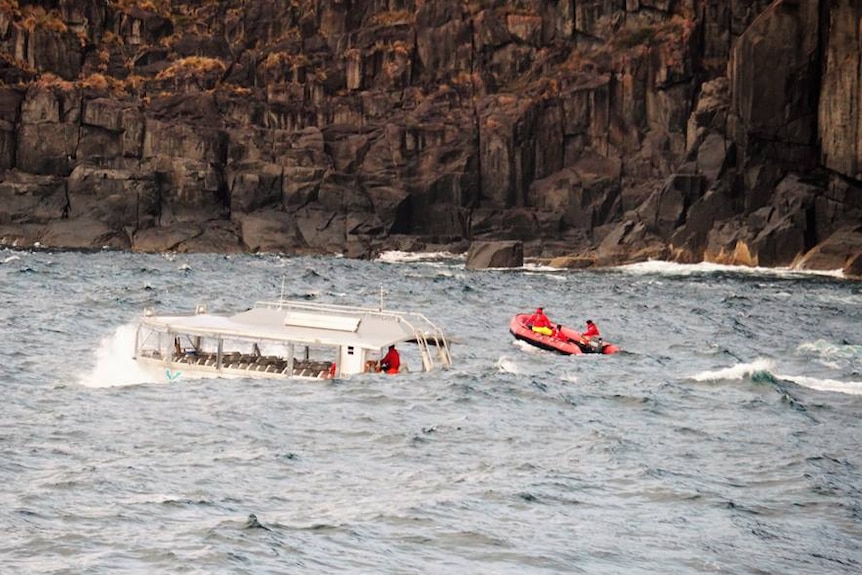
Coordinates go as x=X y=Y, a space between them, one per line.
x=758 y=370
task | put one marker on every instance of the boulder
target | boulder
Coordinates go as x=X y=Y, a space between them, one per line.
x=483 y=255
x=840 y=251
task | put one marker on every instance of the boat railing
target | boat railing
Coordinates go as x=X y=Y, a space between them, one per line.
x=443 y=349
x=237 y=361
x=423 y=340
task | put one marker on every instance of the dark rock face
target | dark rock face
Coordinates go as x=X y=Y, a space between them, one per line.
x=598 y=132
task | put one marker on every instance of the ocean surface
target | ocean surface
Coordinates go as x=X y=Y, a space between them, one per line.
x=726 y=438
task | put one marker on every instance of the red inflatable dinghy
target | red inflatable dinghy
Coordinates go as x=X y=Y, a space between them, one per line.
x=568 y=342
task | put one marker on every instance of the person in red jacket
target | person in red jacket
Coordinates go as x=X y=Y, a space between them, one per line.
x=558 y=334
x=539 y=322
x=391 y=362
x=592 y=330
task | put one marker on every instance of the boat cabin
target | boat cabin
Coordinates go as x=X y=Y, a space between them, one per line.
x=283 y=339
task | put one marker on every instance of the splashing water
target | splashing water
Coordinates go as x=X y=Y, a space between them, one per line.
x=114 y=363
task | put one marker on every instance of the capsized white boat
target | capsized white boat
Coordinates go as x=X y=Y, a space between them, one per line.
x=283 y=339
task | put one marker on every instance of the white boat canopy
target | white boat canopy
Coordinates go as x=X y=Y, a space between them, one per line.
x=306 y=323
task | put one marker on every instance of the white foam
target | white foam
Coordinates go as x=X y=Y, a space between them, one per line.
x=848 y=387
x=114 y=363
x=677 y=269
x=524 y=346
x=559 y=275
x=396 y=256
x=830 y=350
x=735 y=372
x=536 y=267
x=507 y=365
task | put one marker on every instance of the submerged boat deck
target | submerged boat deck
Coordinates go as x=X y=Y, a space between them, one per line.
x=286 y=339
x=251 y=363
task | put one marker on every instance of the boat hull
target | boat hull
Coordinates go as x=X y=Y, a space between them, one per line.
x=573 y=344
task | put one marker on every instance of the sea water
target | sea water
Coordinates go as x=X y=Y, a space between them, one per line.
x=725 y=438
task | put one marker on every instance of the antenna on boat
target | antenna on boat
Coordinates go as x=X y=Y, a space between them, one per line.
x=381 y=298
x=281 y=295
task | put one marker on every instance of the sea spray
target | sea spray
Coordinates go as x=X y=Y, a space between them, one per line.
x=115 y=365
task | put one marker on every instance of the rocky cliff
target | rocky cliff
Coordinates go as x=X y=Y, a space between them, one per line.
x=604 y=131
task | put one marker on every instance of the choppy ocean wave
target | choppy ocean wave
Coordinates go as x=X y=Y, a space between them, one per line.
x=763 y=370
x=723 y=439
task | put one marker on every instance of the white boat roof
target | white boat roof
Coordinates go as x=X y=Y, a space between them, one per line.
x=303 y=322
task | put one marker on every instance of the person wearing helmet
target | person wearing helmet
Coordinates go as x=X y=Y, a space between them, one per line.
x=539 y=322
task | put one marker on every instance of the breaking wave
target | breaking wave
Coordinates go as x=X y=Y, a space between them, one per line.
x=757 y=369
